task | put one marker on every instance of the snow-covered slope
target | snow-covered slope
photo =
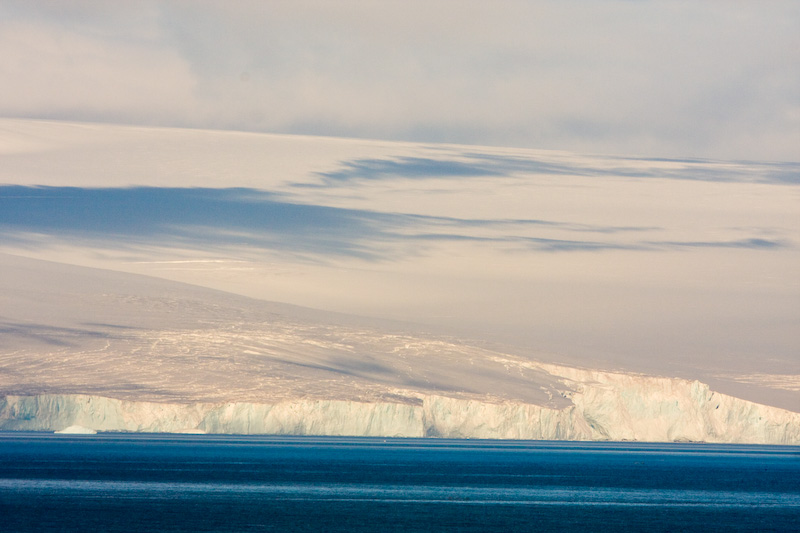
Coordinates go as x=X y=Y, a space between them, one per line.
x=121 y=352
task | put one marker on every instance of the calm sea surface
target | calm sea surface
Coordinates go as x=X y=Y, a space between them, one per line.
x=123 y=482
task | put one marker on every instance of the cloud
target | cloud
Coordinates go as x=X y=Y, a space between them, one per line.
x=191 y=217
x=674 y=79
x=407 y=167
x=476 y=164
x=199 y=218
x=54 y=71
x=753 y=244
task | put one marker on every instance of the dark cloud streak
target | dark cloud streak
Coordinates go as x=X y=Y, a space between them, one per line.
x=477 y=165
x=190 y=216
x=211 y=218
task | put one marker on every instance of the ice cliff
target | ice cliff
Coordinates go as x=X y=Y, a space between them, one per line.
x=603 y=406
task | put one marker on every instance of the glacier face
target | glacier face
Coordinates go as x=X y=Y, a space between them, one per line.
x=604 y=406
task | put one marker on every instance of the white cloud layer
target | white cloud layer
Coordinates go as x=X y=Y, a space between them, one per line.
x=710 y=79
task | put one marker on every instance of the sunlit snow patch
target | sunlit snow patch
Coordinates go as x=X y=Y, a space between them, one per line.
x=77 y=430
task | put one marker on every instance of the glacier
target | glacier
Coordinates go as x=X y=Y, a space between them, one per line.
x=604 y=406
x=128 y=353
x=428 y=290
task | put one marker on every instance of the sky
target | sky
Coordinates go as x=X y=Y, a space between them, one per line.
x=709 y=79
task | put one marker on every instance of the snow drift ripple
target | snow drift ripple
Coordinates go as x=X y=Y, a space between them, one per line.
x=605 y=406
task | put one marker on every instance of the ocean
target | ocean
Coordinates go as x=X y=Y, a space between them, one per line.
x=144 y=482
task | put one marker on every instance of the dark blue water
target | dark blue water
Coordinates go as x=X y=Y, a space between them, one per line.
x=120 y=482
